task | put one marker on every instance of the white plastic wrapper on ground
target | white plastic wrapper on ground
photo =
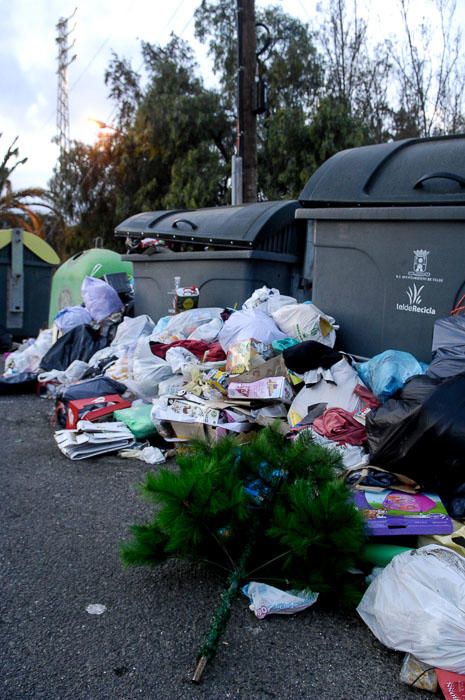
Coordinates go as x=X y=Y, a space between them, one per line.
x=268 y=600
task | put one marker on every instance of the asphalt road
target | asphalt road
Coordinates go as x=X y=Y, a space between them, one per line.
x=61 y=523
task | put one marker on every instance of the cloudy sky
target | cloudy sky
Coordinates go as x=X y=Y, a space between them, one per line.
x=28 y=55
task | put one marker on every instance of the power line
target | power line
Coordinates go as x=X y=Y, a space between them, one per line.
x=84 y=71
x=105 y=42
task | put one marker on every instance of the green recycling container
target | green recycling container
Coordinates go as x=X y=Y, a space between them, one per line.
x=67 y=280
x=26 y=266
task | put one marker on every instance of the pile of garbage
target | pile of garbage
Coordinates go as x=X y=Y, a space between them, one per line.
x=141 y=387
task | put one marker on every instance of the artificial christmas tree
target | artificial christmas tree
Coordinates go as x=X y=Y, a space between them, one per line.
x=272 y=509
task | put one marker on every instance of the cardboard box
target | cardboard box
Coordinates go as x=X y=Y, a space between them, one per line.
x=93 y=409
x=452 y=684
x=392 y=512
x=275 y=367
x=188 y=431
x=271 y=388
x=183 y=432
x=187 y=408
x=220 y=431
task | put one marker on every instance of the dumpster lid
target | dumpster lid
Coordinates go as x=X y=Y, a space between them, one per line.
x=34 y=243
x=414 y=172
x=230 y=226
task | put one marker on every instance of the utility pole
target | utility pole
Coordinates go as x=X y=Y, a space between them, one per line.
x=64 y=61
x=244 y=175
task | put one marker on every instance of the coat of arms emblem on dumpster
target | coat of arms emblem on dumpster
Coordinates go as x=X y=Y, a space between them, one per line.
x=420 y=263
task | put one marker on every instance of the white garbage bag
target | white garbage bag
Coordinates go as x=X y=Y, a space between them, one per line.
x=28 y=356
x=417 y=605
x=148 y=370
x=183 y=325
x=207 y=331
x=178 y=357
x=73 y=373
x=246 y=324
x=306 y=322
x=267 y=300
x=334 y=387
x=131 y=329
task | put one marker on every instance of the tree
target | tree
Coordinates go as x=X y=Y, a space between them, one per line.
x=293 y=72
x=431 y=82
x=356 y=75
x=335 y=128
x=171 y=147
x=178 y=121
x=84 y=189
x=272 y=510
x=285 y=154
x=327 y=90
x=16 y=207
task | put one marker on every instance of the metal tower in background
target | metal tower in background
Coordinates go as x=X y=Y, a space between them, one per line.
x=64 y=61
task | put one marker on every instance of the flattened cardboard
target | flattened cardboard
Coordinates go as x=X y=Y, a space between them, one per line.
x=271 y=388
x=275 y=367
x=188 y=431
x=390 y=512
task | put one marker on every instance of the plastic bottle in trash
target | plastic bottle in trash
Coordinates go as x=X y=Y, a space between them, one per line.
x=173 y=293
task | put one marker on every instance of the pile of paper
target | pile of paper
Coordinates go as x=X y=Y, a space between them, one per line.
x=90 y=439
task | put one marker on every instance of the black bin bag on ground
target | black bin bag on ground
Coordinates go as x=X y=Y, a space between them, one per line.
x=421 y=433
x=22 y=383
x=80 y=343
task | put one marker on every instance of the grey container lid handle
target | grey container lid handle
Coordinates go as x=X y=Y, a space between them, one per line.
x=184 y=221
x=443 y=174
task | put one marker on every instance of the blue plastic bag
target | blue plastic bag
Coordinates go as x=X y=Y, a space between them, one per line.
x=100 y=299
x=72 y=316
x=387 y=372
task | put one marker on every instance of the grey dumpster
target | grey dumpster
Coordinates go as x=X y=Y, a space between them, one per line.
x=388 y=226
x=227 y=252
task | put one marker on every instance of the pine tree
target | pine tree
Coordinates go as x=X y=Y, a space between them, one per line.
x=271 y=510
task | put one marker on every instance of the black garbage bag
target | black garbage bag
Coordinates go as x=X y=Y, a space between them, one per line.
x=90 y=388
x=388 y=425
x=448 y=347
x=448 y=332
x=421 y=433
x=80 y=343
x=309 y=355
x=21 y=383
x=454 y=502
x=447 y=362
